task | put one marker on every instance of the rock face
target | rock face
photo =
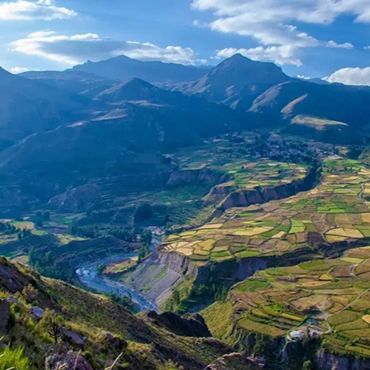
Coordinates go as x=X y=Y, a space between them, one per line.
x=69 y=361
x=232 y=361
x=187 y=326
x=159 y=275
x=77 y=199
x=262 y=195
x=249 y=266
x=4 y=316
x=328 y=361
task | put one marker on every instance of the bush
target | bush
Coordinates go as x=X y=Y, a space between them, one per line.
x=14 y=359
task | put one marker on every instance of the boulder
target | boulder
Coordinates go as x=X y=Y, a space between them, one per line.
x=4 y=316
x=117 y=343
x=37 y=312
x=74 y=338
x=14 y=300
x=68 y=361
x=187 y=326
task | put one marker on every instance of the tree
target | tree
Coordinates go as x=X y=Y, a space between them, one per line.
x=46 y=216
x=146 y=237
x=30 y=294
x=101 y=269
x=74 y=229
x=39 y=221
x=52 y=324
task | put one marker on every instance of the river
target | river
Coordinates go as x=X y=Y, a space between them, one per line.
x=89 y=277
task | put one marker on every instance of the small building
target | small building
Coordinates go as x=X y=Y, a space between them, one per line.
x=296 y=335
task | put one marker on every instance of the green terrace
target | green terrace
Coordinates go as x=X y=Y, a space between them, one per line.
x=335 y=211
x=327 y=297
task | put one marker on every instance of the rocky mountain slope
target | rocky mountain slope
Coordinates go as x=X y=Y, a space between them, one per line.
x=28 y=107
x=46 y=323
x=136 y=119
x=236 y=82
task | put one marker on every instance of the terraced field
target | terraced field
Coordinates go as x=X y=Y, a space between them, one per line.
x=334 y=212
x=329 y=297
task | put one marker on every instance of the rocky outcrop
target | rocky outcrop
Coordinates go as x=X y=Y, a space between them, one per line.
x=249 y=266
x=260 y=195
x=232 y=361
x=158 y=275
x=4 y=316
x=11 y=279
x=327 y=361
x=78 y=199
x=117 y=343
x=187 y=326
x=68 y=361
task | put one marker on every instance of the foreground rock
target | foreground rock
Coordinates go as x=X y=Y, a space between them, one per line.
x=69 y=361
x=187 y=326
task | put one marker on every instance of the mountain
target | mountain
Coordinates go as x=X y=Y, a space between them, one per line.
x=236 y=82
x=335 y=102
x=263 y=89
x=124 y=68
x=138 y=119
x=28 y=106
x=73 y=82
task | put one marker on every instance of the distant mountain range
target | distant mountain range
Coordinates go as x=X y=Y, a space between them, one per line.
x=133 y=118
x=108 y=105
x=123 y=68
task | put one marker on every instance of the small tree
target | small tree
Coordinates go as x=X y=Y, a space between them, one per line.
x=52 y=324
x=30 y=294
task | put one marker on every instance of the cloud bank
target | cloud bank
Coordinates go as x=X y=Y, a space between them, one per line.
x=22 y=10
x=71 y=50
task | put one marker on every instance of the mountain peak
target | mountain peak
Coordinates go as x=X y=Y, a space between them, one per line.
x=133 y=89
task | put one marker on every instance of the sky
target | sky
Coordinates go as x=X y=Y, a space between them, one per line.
x=327 y=39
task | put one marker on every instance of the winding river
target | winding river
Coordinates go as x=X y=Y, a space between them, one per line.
x=89 y=277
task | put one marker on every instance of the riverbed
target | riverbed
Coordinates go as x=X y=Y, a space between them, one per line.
x=89 y=276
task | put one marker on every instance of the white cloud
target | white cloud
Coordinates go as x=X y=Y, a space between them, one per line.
x=302 y=77
x=34 y=10
x=16 y=70
x=71 y=50
x=278 y=54
x=333 y=44
x=169 y=54
x=270 y=21
x=351 y=76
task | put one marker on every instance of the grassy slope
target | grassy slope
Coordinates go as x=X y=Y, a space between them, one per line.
x=93 y=316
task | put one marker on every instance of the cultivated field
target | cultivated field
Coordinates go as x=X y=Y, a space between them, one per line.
x=328 y=297
x=336 y=211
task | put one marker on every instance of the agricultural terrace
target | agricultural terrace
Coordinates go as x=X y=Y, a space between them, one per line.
x=246 y=175
x=329 y=297
x=335 y=211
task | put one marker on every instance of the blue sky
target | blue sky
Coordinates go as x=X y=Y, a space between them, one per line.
x=312 y=38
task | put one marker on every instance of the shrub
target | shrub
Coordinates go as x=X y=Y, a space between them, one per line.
x=14 y=359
